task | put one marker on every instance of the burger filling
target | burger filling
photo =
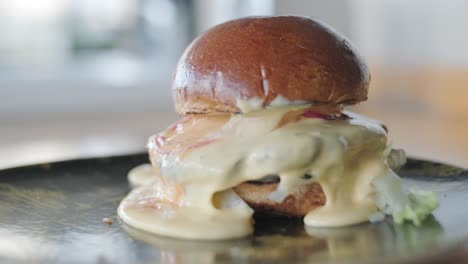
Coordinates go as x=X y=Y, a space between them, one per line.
x=200 y=159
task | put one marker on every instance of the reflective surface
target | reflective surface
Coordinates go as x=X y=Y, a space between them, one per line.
x=54 y=212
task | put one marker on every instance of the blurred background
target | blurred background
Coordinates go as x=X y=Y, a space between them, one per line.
x=84 y=78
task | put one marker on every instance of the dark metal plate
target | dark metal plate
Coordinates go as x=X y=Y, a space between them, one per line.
x=53 y=213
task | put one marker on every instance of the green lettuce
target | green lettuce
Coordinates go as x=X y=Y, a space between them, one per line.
x=403 y=206
x=419 y=205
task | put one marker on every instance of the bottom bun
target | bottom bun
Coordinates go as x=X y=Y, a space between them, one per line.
x=296 y=204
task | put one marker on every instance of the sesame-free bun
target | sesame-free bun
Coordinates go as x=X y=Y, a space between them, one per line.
x=261 y=58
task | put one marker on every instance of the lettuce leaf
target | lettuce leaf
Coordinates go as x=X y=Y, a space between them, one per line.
x=419 y=206
x=403 y=206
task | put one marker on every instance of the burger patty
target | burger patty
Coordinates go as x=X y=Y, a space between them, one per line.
x=297 y=204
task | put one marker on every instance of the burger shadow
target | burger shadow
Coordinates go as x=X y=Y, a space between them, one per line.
x=285 y=239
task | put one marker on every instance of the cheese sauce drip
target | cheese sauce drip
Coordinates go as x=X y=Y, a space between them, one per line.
x=199 y=159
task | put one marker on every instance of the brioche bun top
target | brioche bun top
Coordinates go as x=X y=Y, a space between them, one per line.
x=265 y=59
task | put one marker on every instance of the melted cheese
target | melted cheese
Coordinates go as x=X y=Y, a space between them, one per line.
x=141 y=175
x=199 y=160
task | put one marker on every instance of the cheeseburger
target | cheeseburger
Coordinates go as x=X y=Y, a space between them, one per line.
x=262 y=128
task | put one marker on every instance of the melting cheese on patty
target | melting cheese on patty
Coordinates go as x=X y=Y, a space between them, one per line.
x=199 y=159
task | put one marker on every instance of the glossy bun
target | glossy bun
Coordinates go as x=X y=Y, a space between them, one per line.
x=260 y=59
